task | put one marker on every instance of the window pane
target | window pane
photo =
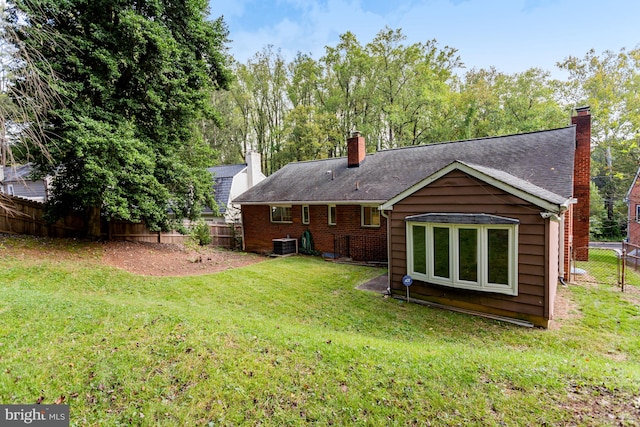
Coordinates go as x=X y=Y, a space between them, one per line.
x=419 y=249
x=468 y=254
x=332 y=215
x=498 y=241
x=371 y=216
x=281 y=214
x=305 y=214
x=286 y=214
x=441 y=252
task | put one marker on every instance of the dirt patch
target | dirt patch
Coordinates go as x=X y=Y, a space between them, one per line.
x=148 y=259
x=157 y=259
x=564 y=309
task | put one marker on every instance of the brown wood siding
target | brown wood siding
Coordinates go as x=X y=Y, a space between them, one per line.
x=459 y=193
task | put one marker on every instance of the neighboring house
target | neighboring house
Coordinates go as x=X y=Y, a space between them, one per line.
x=17 y=181
x=633 y=202
x=231 y=181
x=485 y=225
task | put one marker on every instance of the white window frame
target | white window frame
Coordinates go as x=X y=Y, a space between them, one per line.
x=10 y=190
x=332 y=218
x=273 y=208
x=306 y=214
x=482 y=284
x=638 y=213
x=363 y=216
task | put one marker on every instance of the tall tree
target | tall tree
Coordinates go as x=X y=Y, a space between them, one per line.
x=494 y=103
x=610 y=84
x=409 y=84
x=265 y=80
x=347 y=92
x=137 y=76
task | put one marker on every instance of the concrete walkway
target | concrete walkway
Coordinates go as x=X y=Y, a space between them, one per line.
x=378 y=284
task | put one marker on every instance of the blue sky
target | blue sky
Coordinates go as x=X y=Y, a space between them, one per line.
x=512 y=35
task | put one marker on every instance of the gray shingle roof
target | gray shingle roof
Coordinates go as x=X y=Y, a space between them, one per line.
x=18 y=173
x=544 y=159
x=223 y=179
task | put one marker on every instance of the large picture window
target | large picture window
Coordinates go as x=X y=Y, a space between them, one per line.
x=478 y=252
x=280 y=213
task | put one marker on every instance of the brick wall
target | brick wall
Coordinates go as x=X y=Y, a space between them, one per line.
x=259 y=231
x=633 y=225
x=581 y=181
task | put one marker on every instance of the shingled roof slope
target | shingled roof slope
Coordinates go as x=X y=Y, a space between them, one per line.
x=544 y=159
x=18 y=173
x=223 y=179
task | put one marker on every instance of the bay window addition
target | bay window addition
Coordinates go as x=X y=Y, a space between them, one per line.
x=370 y=216
x=280 y=214
x=478 y=252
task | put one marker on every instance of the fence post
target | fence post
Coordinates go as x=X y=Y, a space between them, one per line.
x=624 y=263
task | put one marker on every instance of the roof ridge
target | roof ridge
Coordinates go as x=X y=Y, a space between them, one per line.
x=484 y=138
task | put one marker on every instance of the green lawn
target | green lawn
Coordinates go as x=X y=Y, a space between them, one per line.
x=290 y=341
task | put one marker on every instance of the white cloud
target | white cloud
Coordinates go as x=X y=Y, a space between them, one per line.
x=512 y=35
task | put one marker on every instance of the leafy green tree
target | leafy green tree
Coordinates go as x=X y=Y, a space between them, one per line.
x=265 y=80
x=494 y=103
x=136 y=78
x=409 y=85
x=347 y=90
x=610 y=84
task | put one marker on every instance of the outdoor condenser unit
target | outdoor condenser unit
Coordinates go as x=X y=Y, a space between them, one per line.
x=286 y=246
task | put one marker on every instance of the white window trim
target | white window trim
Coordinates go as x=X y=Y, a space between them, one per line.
x=306 y=219
x=10 y=190
x=483 y=283
x=331 y=219
x=271 y=214
x=362 y=216
x=638 y=213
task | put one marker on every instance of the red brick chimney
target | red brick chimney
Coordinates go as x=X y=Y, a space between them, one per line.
x=355 y=150
x=581 y=182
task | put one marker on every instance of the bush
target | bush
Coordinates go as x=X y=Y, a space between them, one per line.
x=200 y=233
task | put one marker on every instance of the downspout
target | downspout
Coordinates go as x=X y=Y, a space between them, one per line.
x=561 y=251
x=561 y=235
x=383 y=213
x=244 y=246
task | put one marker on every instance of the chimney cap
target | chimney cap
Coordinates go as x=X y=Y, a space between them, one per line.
x=355 y=133
x=583 y=110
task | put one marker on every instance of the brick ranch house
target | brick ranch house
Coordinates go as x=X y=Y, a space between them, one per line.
x=485 y=225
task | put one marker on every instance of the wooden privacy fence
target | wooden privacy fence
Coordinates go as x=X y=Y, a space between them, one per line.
x=222 y=234
x=22 y=216
x=26 y=217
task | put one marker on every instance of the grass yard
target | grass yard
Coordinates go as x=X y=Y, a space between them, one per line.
x=290 y=341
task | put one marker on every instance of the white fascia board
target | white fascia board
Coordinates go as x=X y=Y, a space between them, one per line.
x=552 y=207
x=316 y=203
